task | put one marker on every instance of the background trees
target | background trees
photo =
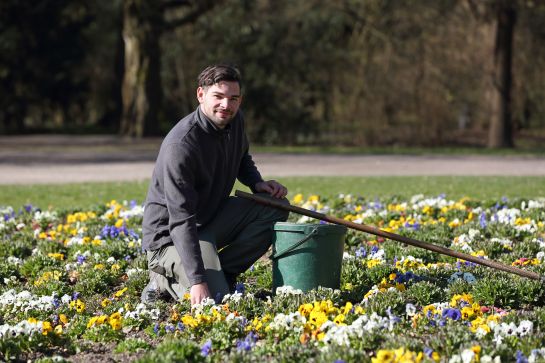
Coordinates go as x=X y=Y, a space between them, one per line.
x=355 y=72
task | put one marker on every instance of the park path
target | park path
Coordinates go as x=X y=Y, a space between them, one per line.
x=61 y=159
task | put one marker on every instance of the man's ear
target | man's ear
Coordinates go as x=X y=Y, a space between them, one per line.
x=200 y=94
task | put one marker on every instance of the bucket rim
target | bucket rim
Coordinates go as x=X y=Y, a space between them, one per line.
x=304 y=227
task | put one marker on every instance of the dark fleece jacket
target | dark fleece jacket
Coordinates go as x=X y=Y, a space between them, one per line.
x=194 y=174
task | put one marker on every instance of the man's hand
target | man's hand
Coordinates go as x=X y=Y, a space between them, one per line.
x=198 y=292
x=274 y=188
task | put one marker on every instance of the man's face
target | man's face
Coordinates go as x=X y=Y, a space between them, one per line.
x=220 y=102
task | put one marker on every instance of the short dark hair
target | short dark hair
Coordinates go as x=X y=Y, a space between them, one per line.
x=219 y=72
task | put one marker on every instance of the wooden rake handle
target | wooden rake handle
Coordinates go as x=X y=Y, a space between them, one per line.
x=396 y=237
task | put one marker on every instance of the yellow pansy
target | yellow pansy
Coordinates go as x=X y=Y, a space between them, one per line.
x=297 y=199
x=46 y=327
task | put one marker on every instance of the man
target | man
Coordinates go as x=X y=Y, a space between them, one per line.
x=195 y=235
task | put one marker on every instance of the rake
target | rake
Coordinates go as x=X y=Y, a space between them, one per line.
x=396 y=237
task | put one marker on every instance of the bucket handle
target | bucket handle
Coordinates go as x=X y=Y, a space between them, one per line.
x=295 y=245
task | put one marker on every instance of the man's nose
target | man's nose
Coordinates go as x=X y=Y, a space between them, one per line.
x=224 y=103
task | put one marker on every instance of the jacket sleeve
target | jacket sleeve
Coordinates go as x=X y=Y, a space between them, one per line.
x=181 y=200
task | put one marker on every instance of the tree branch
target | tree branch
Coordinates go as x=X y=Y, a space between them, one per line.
x=202 y=7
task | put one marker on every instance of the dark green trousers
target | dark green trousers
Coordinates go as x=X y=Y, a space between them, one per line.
x=238 y=236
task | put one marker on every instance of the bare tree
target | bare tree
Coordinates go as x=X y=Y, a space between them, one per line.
x=503 y=14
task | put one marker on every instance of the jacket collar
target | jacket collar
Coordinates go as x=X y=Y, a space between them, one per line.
x=210 y=127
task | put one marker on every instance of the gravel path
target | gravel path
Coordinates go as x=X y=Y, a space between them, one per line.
x=55 y=159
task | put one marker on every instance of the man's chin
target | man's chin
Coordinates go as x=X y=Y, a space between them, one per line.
x=222 y=122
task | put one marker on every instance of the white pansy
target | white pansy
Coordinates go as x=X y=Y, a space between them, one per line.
x=234 y=297
x=377 y=255
x=363 y=325
x=46 y=216
x=14 y=260
x=25 y=301
x=140 y=311
x=433 y=203
x=74 y=241
x=66 y=299
x=288 y=290
x=506 y=216
x=473 y=233
x=133 y=271
x=467 y=356
x=410 y=309
x=293 y=321
x=535 y=354
x=136 y=211
x=525 y=328
x=24 y=327
x=489 y=359
x=536 y=204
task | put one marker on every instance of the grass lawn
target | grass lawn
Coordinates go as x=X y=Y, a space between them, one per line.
x=77 y=196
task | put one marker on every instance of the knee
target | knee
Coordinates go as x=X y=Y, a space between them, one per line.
x=277 y=214
x=283 y=214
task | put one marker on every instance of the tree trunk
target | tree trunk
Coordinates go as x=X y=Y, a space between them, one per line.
x=500 y=133
x=142 y=21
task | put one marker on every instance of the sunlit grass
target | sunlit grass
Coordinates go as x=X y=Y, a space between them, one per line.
x=76 y=196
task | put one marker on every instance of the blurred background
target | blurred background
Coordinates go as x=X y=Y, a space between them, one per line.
x=316 y=72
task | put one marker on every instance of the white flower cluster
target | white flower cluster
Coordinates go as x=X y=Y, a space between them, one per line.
x=506 y=216
x=377 y=255
x=292 y=321
x=23 y=328
x=25 y=300
x=535 y=354
x=502 y=330
x=6 y=217
x=199 y=308
x=288 y=290
x=78 y=240
x=141 y=311
x=439 y=202
x=135 y=271
x=469 y=356
x=534 y=204
x=46 y=217
x=464 y=241
x=12 y=260
x=136 y=211
x=234 y=297
x=11 y=301
x=365 y=324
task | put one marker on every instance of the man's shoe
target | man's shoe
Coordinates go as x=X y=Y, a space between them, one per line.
x=150 y=293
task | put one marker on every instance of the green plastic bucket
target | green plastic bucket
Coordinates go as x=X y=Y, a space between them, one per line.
x=306 y=256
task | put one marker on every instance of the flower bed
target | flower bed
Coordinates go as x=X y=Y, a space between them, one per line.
x=71 y=281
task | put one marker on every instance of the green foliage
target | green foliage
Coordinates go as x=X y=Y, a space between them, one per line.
x=174 y=350
x=424 y=293
x=37 y=264
x=391 y=300
x=92 y=281
x=103 y=333
x=132 y=345
x=495 y=291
